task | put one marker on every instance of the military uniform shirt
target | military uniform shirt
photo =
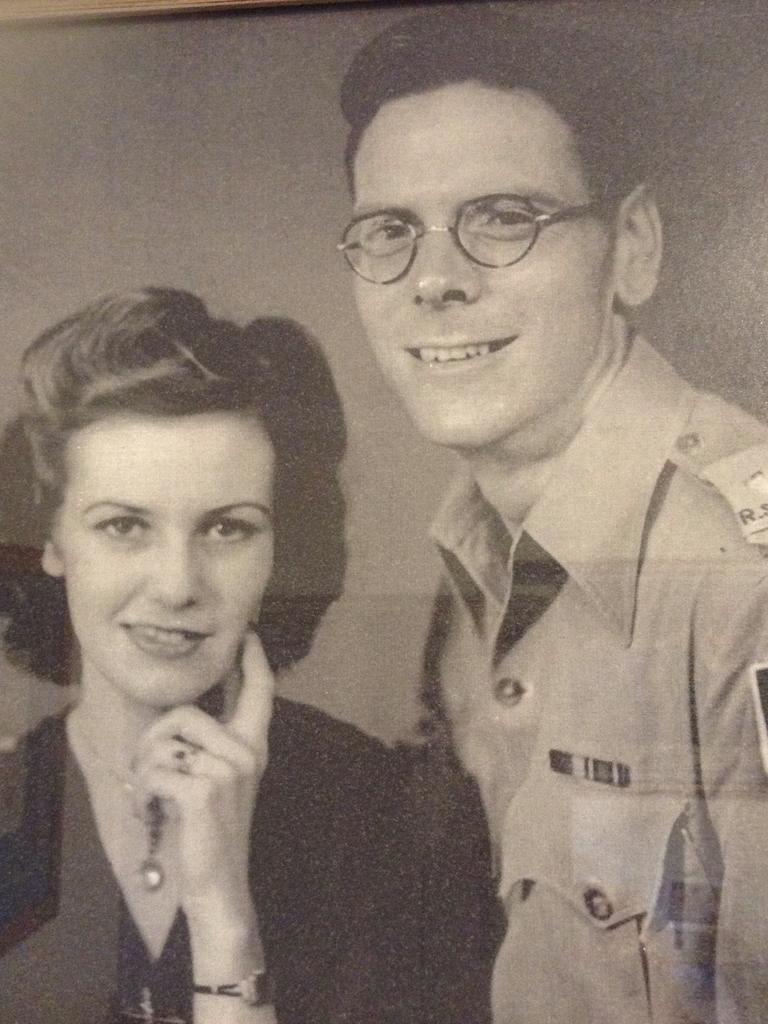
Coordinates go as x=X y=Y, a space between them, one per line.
x=616 y=742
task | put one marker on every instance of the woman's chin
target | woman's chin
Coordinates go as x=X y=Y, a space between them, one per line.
x=142 y=682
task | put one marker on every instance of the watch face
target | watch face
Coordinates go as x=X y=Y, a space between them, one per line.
x=257 y=989
x=249 y=990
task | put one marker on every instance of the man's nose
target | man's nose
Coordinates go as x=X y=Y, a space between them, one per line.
x=175 y=574
x=443 y=274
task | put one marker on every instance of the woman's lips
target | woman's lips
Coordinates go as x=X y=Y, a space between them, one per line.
x=442 y=355
x=164 y=642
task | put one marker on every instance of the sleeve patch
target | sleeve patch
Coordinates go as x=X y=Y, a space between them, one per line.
x=742 y=479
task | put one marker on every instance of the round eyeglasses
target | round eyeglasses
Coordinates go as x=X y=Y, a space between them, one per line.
x=493 y=231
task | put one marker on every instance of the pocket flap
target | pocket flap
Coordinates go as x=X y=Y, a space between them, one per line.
x=602 y=849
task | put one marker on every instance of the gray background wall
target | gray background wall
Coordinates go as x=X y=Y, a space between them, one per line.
x=204 y=152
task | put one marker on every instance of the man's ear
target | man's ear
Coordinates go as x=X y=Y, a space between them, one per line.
x=637 y=257
x=51 y=560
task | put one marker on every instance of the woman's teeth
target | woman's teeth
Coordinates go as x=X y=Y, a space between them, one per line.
x=167 y=635
x=156 y=639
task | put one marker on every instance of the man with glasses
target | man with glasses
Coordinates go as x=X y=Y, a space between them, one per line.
x=596 y=656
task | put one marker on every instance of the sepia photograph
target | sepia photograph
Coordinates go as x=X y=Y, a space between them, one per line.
x=384 y=512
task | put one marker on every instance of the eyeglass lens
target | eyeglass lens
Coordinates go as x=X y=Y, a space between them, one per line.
x=494 y=231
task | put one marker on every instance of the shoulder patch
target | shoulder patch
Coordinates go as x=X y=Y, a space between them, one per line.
x=742 y=479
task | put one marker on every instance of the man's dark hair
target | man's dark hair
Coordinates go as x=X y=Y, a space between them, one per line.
x=158 y=352
x=593 y=83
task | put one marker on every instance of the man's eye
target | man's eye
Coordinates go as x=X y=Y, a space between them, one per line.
x=384 y=233
x=503 y=215
x=510 y=216
x=500 y=220
x=394 y=229
x=122 y=527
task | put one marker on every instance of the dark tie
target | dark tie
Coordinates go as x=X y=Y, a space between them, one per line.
x=537 y=581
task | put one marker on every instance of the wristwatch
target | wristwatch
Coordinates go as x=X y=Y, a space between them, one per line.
x=256 y=989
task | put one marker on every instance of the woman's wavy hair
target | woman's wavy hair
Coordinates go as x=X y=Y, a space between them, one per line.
x=158 y=352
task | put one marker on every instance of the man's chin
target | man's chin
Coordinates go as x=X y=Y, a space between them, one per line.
x=464 y=434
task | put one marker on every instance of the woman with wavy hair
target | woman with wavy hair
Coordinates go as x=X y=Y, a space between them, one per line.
x=190 y=848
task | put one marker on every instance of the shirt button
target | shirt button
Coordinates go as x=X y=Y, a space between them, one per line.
x=688 y=442
x=508 y=691
x=597 y=902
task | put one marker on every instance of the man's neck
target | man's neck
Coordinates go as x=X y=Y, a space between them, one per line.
x=513 y=474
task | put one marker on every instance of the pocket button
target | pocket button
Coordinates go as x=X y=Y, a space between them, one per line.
x=598 y=902
x=508 y=691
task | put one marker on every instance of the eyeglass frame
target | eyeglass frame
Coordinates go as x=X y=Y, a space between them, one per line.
x=540 y=220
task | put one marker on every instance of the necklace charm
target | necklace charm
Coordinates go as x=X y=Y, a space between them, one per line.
x=152 y=874
x=151 y=870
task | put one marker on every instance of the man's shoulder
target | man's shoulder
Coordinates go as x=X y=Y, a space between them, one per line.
x=717 y=500
x=715 y=430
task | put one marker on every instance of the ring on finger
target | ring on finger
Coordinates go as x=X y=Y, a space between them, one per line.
x=185 y=756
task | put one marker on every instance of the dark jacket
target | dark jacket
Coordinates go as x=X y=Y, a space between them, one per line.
x=333 y=893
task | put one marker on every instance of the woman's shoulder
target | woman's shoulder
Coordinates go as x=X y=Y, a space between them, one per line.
x=30 y=771
x=331 y=764
x=31 y=785
x=306 y=731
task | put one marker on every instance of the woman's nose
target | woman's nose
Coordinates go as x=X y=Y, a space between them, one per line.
x=176 y=576
x=442 y=273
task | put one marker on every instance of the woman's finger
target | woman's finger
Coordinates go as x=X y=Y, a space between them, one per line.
x=198 y=729
x=188 y=759
x=250 y=720
x=191 y=794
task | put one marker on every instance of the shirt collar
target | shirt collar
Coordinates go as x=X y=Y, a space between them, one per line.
x=592 y=513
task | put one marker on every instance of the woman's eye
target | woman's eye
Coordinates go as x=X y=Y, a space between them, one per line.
x=229 y=529
x=122 y=527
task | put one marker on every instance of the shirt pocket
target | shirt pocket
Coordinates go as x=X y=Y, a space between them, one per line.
x=622 y=865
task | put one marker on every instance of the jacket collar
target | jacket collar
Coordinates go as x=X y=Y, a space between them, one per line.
x=591 y=516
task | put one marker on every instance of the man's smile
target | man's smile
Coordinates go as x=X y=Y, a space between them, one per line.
x=442 y=354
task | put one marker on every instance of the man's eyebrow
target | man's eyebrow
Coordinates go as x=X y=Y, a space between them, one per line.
x=545 y=199
x=534 y=196
x=371 y=209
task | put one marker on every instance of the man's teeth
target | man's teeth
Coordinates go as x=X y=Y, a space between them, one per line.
x=452 y=355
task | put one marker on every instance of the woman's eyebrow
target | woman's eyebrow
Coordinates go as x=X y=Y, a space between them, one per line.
x=240 y=504
x=122 y=505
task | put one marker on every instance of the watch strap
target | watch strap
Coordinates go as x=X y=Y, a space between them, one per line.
x=256 y=989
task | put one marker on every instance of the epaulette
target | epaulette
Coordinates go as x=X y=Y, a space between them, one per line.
x=727 y=448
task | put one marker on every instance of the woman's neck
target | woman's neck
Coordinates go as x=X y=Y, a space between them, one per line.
x=109 y=723
x=108 y=728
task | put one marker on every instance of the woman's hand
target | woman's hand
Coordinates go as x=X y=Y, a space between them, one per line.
x=211 y=772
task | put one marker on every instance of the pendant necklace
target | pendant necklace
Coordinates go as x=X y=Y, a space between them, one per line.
x=150 y=870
